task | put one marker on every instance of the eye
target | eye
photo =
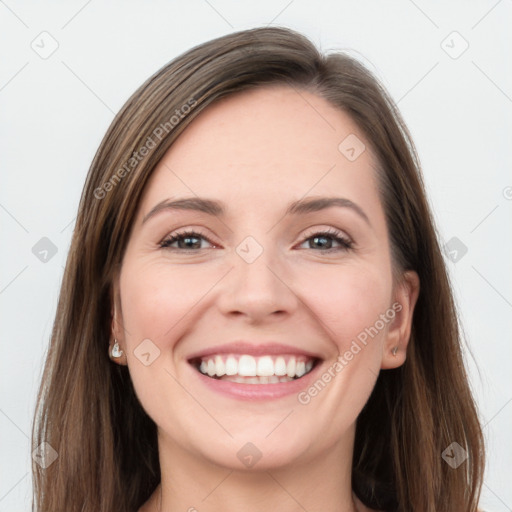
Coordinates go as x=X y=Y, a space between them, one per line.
x=324 y=240
x=187 y=240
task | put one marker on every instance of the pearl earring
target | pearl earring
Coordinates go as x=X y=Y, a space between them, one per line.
x=116 y=351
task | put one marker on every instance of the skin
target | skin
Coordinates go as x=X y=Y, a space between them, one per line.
x=256 y=152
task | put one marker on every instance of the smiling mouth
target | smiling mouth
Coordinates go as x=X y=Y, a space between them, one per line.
x=248 y=369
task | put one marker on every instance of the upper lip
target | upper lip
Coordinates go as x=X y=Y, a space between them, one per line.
x=253 y=349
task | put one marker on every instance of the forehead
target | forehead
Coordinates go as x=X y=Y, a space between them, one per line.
x=267 y=144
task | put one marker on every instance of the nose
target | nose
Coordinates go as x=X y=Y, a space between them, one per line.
x=259 y=290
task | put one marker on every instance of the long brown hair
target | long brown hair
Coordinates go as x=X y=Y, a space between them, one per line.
x=87 y=409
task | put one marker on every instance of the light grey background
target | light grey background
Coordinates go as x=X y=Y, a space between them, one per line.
x=55 y=110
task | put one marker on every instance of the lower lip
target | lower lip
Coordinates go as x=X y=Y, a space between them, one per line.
x=258 y=391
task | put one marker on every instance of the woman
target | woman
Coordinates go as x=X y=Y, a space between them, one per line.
x=255 y=312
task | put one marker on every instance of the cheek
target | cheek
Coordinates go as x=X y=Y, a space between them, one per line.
x=349 y=301
x=155 y=298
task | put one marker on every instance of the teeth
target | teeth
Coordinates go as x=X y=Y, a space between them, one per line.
x=265 y=366
x=220 y=367
x=280 y=366
x=247 y=366
x=290 y=368
x=231 y=366
x=273 y=379
x=256 y=370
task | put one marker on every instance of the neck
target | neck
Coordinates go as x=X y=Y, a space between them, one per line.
x=193 y=484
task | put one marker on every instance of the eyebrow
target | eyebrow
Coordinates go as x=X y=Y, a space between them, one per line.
x=216 y=209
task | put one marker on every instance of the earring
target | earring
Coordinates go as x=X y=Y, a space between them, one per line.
x=116 y=351
x=394 y=350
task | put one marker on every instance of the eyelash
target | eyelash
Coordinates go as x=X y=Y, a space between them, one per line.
x=344 y=242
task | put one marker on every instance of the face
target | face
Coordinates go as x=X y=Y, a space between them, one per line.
x=255 y=302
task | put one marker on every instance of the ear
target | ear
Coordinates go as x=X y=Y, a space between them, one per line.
x=399 y=332
x=116 y=325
